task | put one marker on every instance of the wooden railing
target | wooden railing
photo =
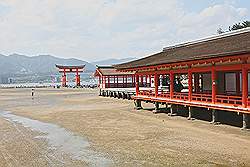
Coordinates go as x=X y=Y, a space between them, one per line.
x=234 y=100
x=197 y=97
x=164 y=93
x=150 y=93
x=119 y=85
x=201 y=97
x=180 y=96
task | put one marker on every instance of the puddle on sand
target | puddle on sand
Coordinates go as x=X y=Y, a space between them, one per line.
x=59 y=139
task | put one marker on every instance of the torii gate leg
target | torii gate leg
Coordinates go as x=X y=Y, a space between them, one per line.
x=64 y=81
x=78 y=82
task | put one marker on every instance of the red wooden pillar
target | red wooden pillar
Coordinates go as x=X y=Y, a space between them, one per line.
x=64 y=80
x=77 y=78
x=109 y=81
x=126 y=81
x=244 y=86
x=116 y=79
x=137 y=85
x=104 y=81
x=237 y=74
x=213 y=74
x=113 y=83
x=171 y=86
x=149 y=80
x=99 y=81
x=156 y=79
x=101 y=85
x=123 y=81
x=190 y=85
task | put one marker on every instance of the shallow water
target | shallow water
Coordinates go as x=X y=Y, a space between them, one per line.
x=61 y=140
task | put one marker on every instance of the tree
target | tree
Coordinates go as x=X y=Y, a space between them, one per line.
x=246 y=23
x=220 y=31
x=236 y=26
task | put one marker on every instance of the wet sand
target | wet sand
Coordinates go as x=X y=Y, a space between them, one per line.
x=113 y=130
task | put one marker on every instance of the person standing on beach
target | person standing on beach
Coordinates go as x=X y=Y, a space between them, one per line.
x=32 y=92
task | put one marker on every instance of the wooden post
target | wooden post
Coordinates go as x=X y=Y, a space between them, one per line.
x=213 y=72
x=190 y=84
x=99 y=82
x=126 y=81
x=116 y=81
x=77 y=77
x=245 y=121
x=171 y=86
x=215 y=117
x=146 y=78
x=64 y=80
x=156 y=79
x=244 y=86
x=108 y=81
x=190 y=113
x=137 y=85
x=101 y=85
x=123 y=80
x=104 y=83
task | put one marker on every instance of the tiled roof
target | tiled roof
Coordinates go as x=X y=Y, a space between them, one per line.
x=109 y=70
x=218 y=46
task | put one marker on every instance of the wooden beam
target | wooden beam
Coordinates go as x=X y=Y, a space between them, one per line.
x=190 y=84
x=171 y=86
x=192 y=62
x=156 y=78
x=214 y=83
x=137 y=85
x=244 y=86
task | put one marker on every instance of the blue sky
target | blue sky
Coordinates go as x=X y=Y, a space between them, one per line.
x=100 y=29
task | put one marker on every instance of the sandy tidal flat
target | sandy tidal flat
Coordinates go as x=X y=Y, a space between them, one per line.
x=108 y=132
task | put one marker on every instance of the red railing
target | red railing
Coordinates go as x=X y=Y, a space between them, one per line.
x=147 y=93
x=201 y=97
x=119 y=85
x=164 y=94
x=180 y=96
x=197 y=97
x=234 y=100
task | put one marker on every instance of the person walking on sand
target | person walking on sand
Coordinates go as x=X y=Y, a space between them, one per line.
x=32 y=92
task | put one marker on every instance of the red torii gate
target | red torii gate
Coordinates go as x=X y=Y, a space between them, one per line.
x=70 y=69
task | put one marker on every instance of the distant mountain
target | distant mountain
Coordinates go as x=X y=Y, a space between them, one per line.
x=112 y=61
x=42 y=64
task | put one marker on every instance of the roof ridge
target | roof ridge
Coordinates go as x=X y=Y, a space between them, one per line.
x=209 y=38
x=104 y=66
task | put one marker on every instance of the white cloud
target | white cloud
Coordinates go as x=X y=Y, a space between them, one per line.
x=99 y=29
